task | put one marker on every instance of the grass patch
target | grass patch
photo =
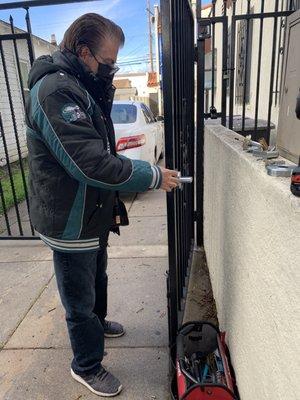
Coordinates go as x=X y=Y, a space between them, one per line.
x=18 y=184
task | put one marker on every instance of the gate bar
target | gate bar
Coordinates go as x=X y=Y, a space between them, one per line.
x=38 y=3
x=272 y=70
x=4 y=208
x=29 y=39
x=261 y=28
x=246 y=67
x=16 y=36
x=232 y=65
x=168 y=88
x=200 y=138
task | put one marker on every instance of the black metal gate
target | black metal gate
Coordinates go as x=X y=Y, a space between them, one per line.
x=178 y=85
x=224 y=49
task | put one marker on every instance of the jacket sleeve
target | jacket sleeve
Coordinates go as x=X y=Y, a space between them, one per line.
x=66 y=126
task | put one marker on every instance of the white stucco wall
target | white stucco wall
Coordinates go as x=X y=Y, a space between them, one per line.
x=252 y=244
x=139 y=81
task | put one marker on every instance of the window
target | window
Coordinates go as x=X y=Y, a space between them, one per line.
x=147 y=114
x=24 y=74
x=123 y=113
x=150 y=113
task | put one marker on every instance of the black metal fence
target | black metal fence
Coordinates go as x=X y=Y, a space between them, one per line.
x=243 y=88
x=16 y=57
x=15 y=220
x=178 y=86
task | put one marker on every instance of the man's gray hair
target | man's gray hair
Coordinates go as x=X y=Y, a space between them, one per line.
x=90 y=30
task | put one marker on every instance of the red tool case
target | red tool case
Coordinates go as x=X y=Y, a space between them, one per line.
x=198 y=341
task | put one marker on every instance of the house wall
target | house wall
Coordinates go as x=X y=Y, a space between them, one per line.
x=139 y=81
x=40 y=47
x=241 y=8
x=252 y=244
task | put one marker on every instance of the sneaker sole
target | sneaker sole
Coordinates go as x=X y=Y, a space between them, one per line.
x=83 y=382
x=111 y=335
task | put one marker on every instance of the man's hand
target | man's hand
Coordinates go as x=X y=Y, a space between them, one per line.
x=169 y=179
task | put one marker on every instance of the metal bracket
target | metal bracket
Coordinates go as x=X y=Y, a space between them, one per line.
x=204 y=30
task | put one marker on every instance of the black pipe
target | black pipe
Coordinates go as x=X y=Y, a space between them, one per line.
x=261 y=28
x=200 y=139
x=272 y=73
x=232 y=66
x=246 y=67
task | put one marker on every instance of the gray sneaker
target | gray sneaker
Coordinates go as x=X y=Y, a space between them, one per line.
x=103 y=383
x=113 y=329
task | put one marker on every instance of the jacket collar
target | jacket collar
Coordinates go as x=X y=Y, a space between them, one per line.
x=102 y=91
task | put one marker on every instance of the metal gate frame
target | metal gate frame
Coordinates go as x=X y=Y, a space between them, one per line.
x=178 y=86
x=176 y=40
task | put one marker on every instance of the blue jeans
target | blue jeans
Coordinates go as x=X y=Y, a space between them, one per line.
x=82 y=285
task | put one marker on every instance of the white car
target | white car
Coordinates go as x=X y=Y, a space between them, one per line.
x=139 y=135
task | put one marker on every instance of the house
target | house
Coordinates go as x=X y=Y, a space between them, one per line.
x=247 y=72
x=41 y=47
x=138 y=86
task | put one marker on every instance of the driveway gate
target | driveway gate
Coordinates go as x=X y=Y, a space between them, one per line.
x=222 y=55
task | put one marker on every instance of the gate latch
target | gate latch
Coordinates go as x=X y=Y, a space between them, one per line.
x=184 y=179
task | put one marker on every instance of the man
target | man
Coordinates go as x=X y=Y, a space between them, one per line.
x=74 y=179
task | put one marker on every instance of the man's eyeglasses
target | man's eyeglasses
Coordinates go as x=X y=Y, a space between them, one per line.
x=113 y=68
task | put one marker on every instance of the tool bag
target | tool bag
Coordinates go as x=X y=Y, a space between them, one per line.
x=202 y=367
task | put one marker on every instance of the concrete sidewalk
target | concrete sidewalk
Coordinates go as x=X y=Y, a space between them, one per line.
x=35 y=356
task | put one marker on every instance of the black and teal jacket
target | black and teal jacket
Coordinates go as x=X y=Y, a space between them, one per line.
x=74 y=171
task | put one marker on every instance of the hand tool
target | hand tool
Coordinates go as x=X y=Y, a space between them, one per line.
x=280 y=170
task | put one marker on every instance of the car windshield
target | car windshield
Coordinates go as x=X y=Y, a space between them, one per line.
x=123 y=113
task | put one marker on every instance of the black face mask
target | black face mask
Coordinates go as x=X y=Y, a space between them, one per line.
x=106 y=71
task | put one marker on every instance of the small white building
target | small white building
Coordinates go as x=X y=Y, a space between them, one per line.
x=41 y=47
x=252 y=62
x=138 y=86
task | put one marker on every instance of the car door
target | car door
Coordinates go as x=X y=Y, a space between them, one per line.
x=151 y=133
